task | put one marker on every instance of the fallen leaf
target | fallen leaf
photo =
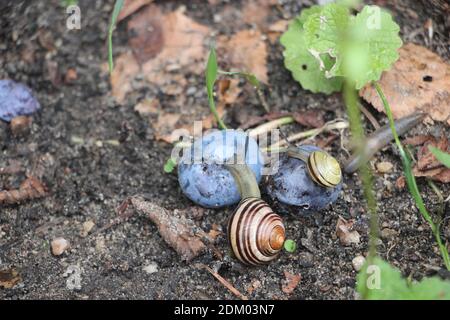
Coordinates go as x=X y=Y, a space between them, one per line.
x=310 y=118
x=181 y=233
x=246 y=51
x=125 y=70
x=257 y=11
x=276 y=29
x=228 y=90
x=291 y=282
x=418 y=140
x=400 y=183
x=147 y=107
x=163 y=45
x=425 y=159
x=344 y=232
x=130 y=7
x=9 y=278
x=418 y=81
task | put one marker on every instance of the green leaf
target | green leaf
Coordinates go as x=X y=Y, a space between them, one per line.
x=442 y=156
x=304 y=67
x=431 y=289
x=290 y=245
x=373 y=46
x=170 y=165
x=211 y=76
x=380 y=281
x=325 y=30
x=362 y=46
x=117 y=8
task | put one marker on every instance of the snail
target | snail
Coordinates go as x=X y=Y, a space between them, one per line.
x=256 y=234
x=201 y=174
x=307 y=180
x=379 y=139
x=322 y=167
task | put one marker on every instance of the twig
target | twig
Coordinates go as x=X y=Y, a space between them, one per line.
x=337 y=124
x=370 y=117
x=266 y=127
x=30 y=189
x=222 y=280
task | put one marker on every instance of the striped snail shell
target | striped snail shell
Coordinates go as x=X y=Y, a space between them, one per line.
x=256 y=234
x=323 y=168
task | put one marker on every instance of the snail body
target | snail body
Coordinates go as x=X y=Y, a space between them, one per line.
x=256 y=234
x=201 y=174
x=294 y=189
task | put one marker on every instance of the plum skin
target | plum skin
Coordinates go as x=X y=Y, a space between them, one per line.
x=16 y=99
x=208 y=183
x=293 y=191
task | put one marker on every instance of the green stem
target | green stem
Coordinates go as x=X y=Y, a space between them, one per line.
x=411 y=181
x=352 y=103
x=212 y=107
x=245 y=179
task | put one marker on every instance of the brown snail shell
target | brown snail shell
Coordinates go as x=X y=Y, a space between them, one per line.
x=256 y=234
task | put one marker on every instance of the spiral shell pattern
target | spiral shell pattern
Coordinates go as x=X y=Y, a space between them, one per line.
x=324 y=169
x=256 y=234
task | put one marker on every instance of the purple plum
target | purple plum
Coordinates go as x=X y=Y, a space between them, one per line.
x=16 y=99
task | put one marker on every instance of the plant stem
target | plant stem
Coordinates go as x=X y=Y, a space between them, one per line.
x=411 y=180
x=212 y=107
x=351 y=101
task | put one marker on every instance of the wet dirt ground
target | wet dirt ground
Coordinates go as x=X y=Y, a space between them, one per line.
x=89 y=177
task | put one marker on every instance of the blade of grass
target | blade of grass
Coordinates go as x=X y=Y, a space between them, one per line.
x=211 y=76
x=442 y=156
x=411 y=180
x=117 y=7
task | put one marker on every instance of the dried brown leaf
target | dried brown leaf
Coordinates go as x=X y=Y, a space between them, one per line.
x=179 y=232
x=344 y=232
x=246 y=51
x=291 y=282
x=418 y=140
x=9 y=278
x=130 y=7
x=310 y=118
x=418 y=81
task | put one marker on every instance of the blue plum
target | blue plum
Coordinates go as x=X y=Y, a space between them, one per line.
x=201 y=174
x=292 y=190
x=16 y=99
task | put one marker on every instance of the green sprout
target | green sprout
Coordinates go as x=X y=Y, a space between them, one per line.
x=290 y=245
x=117 y=8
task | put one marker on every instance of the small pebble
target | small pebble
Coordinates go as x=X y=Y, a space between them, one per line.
x=384 y=167
x=20 y=125
x=358 y=262
x=87 y=227
x=151 y=268
x=388 y=234
x=59 y=245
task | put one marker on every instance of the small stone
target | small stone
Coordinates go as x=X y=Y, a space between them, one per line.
x=388 y=234
x=358 y=262
x=151 y=268
x=59 y=245
x=20 y=125
x=87 y=227
x=384 y=167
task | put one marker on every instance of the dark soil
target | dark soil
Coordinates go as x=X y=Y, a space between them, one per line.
x=88 y=180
